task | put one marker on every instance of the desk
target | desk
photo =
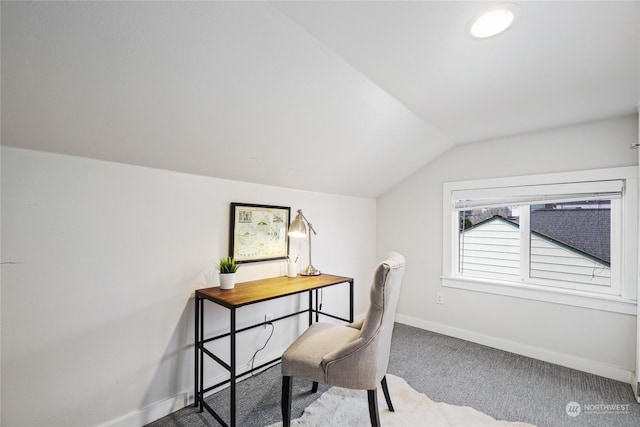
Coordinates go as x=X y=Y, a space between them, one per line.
x=241 y=295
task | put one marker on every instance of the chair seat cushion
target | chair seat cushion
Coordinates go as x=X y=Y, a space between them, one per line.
x=303 y=358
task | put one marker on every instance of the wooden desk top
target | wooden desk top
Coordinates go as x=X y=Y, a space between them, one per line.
x=255 y=291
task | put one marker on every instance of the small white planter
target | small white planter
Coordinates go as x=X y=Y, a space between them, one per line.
x=227 y=280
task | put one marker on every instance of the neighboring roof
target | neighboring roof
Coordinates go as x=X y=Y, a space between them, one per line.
x=492 y=219
x=588 y=230
x=585 y=231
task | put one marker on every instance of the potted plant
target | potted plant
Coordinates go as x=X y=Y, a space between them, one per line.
x=227 y=268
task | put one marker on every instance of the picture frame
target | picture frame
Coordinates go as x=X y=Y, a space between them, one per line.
x=258 y=232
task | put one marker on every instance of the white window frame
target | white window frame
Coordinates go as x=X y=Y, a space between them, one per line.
x=622 y=297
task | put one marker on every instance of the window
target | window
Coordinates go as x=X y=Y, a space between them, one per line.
x=539 y=237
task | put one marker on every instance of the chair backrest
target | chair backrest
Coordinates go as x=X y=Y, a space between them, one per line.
x=384 y=295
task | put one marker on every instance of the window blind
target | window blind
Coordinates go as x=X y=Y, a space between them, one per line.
x=466 y=199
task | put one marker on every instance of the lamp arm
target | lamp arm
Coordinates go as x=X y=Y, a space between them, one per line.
x=310 y=263
x=311 y=228
x=307 y=221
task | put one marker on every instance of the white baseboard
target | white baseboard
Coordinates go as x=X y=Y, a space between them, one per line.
x=153 y=412
x=585 y=365
x=181 y=400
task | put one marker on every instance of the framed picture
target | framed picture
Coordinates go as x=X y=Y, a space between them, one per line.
x=258 y=232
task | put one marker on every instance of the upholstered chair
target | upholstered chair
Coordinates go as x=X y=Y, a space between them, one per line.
x=353 y=356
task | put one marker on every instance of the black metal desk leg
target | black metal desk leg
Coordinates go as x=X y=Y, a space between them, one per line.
x=196 y=322
x=317 y=308
x=310 y=307
x=232 y=412
x=351 y=301
x=201 y=361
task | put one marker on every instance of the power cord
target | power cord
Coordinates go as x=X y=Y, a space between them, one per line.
x=253 y=358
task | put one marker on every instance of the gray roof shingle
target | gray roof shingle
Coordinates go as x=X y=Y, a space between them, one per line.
x=587 y=230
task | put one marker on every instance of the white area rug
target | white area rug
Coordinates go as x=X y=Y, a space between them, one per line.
x=340 y=407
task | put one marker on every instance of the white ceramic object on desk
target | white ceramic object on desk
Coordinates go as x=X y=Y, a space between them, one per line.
x=227 y=280
x=292 y=269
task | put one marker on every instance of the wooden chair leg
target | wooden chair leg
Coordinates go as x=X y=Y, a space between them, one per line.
x=387 y=397
x=287 y=392
x=373 y=408
x=314 y=387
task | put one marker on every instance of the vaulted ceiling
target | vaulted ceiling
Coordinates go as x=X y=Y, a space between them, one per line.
x=335 y=96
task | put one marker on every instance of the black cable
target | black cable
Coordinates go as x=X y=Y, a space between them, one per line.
x=253 y=358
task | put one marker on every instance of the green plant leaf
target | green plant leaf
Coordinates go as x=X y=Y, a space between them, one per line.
x=227 y=265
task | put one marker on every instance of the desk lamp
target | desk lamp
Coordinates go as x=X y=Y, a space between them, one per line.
x=298 y=229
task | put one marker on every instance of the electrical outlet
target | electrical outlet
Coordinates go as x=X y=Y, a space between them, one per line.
x=439 y=298
x=267 y=318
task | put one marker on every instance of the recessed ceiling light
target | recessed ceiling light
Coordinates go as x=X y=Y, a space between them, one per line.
x=491 y=22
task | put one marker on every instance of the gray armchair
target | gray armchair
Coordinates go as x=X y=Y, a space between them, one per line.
x=352 y=356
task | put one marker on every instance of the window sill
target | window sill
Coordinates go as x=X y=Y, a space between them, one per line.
x=541 y=293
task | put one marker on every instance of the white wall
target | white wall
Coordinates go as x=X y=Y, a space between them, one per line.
x=410 y=221
x=635 y=382
x=99 y=263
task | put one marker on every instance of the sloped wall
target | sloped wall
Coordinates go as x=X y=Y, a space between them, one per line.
x=99 y=264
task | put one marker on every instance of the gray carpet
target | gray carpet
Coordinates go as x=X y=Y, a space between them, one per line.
x=503 y=385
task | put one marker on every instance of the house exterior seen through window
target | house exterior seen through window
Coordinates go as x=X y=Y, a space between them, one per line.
x=567 y=242
x=567 y=238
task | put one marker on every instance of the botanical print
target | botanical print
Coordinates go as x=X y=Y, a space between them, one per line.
x=259 y=232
